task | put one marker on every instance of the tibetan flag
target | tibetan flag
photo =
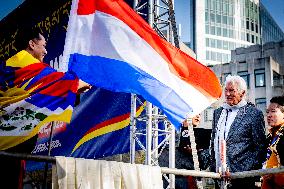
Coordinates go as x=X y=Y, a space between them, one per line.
x=110 y=46
x=31 y=95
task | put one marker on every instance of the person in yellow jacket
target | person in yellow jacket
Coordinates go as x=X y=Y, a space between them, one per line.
x=275 y=150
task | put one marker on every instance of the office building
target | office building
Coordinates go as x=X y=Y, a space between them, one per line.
x=262 y=67
x=219 y=26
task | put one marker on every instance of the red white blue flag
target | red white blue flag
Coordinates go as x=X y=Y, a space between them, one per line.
x=108 y=45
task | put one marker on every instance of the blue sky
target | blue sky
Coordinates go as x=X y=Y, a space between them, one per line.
x=275 y=7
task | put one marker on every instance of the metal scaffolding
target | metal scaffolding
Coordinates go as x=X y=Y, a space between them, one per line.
x=160 y=16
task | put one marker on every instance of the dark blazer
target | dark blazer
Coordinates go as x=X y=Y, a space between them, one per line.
x=246 y=146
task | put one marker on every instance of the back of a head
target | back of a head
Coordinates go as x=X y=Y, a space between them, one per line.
x=25 y=35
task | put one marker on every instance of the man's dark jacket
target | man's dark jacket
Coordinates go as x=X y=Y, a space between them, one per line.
x=246 y=146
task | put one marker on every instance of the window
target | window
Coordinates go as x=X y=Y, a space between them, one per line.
x=219 y=32
x=206 y=17
x=208 y=114
x=259 y=76
x=276 y=79
x=261 y=104
x=219 y=44
x=245 y=76
x=252 y=26
x=212 y=17
x=225 y=45
x=247 y=25
x=207 y=55
x=207 y=42
x=212 y=29
x=248 y=39
x=223 y=76
x=213 y=43
x=218 y=18
x=207 y=29
x=219 y=57
x=225 y=32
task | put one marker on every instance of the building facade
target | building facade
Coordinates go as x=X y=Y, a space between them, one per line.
x=269 y=28
x=262 y=67
x=219 y=26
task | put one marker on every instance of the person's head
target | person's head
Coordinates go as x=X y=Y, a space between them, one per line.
x=235 y=89
x=195 y=121
x=275 y=111
x=33 y=42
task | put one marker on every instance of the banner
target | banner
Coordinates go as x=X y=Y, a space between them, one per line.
x=90 y=134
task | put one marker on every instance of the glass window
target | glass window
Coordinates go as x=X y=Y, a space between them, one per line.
x=218 y=18
x=252 y=26
x=225 y=58
x=245 y=76
x=219 y=57
x=223 y=76
x=213 y=43
x=247 y=25
x=206 y=4
x=207 y=55
x=206 y=17
x=252 y=38
x=218 y=30
x=207 y=42
x=225 y=45
x=212 y=17
x=213 y=56
x=259 y=76
x=248 y=39
x=208 y=114
x=225 y=32
x=207 y=29
x=219 y=44
x=276 y=79
x=232 y=46
x=230 y=21
x=224 y=20
x=219 y=6
x=261 y=104
x=212 y=30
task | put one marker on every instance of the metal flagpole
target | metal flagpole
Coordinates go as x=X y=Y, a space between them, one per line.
x=194 y=150
x=149 y=107
x=132 y=128
x=159 y=12
x=48 y=154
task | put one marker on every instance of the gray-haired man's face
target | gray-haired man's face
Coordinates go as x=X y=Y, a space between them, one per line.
x=232 y=95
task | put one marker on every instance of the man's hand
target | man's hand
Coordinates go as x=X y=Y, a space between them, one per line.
x=83 y=87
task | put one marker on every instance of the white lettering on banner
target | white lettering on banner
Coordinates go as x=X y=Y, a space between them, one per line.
x=44 y=146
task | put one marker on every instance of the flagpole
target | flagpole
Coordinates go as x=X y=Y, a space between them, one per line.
x=132 y=128
x=48 y=154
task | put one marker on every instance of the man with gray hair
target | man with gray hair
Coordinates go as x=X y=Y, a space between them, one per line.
x=238 y=134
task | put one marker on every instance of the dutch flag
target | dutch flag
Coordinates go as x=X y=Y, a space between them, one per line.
x=110 y=46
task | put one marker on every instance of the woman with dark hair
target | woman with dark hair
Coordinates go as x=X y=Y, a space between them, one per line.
x=275 y=150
